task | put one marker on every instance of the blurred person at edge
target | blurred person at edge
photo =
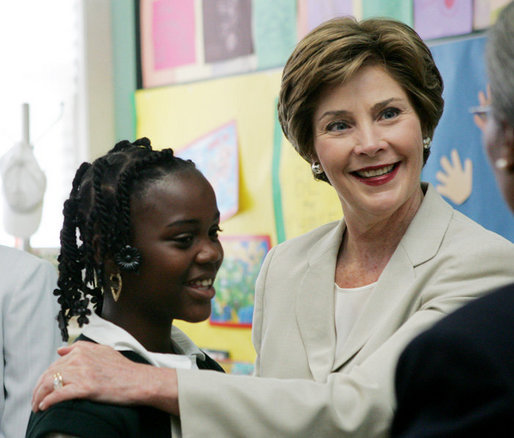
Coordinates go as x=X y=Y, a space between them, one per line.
x=28 y=333
x=335 y=307
x=457 y=379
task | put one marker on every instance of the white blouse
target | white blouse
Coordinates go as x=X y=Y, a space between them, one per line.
x=106 y=333
x=348 y=305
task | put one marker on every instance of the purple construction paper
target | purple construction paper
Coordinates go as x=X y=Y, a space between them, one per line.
x=319 y=11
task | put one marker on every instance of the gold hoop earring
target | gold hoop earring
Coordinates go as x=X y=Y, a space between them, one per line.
x=116 y=285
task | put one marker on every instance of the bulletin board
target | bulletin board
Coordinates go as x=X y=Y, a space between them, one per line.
x=187 y=40
x=190 y=40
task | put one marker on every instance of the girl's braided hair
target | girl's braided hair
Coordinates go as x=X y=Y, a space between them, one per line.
x=97 y=223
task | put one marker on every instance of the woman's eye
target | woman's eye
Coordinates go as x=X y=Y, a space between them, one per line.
x=337 y=126
x=390 y=113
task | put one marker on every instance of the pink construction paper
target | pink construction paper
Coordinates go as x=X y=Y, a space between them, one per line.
x=173 y=33
x=442 y=18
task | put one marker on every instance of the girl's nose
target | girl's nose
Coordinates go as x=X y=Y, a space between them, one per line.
x=211 y=252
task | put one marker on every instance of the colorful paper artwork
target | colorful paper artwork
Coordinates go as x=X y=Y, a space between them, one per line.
x=398 y=9
x=191 y=40
x=173 y=33
x=227 y=29
x=275 y=31
x=168 y=38
x=442 y=18
x=235 y=282
x=311 y=13
x=216 y=155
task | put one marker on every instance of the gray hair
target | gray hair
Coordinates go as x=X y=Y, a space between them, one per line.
x=500 y=65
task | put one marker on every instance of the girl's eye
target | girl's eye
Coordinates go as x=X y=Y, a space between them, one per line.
x=183 y=239
x=390 y=113
x=337 y=126
x=215 y=232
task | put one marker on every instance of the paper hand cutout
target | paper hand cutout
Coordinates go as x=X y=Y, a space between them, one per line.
x=456 y=182
x=484 y=99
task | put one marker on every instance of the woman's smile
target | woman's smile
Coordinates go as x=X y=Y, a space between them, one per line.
x=377 y=175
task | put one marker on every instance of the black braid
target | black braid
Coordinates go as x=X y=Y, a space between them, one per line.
x=71 y=261
x=101 y=210
x=127 y=179
x=97 y=221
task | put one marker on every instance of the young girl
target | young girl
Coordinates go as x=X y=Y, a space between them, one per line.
x=148 y=253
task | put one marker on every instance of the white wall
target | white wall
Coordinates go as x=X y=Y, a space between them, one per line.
x=97 y=125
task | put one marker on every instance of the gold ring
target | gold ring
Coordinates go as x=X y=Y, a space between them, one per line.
x=58 y=382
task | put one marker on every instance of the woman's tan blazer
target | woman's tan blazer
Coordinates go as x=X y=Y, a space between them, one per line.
x=444 y=260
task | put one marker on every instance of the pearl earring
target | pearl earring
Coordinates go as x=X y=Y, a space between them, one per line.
x=316 y=168
x=501 y=163
x=426 y=142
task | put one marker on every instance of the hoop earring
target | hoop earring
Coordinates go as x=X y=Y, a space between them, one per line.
x=116 y=285
x=316 y=168
x=426 y=143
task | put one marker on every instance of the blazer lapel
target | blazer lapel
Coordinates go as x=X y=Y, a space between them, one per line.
x=420 y=243
x=315 y=303
x=395 y=278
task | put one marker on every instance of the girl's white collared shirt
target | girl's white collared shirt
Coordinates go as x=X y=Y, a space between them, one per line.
x=106 y=333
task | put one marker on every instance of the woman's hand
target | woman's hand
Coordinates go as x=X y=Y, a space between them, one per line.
x=100 y=373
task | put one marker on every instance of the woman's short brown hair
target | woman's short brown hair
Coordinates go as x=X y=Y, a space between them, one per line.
x=334 y=51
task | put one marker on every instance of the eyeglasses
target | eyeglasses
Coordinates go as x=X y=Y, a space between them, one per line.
x=481 y=111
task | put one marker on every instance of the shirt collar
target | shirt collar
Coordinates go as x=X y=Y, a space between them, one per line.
x=105 y=332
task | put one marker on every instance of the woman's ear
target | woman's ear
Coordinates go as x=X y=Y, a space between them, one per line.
x=509 y=140
x=507 y=146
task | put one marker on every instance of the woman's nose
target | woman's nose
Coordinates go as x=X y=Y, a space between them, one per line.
x=369 y=141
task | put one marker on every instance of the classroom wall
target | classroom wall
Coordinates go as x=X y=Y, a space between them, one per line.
x=95 y=76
